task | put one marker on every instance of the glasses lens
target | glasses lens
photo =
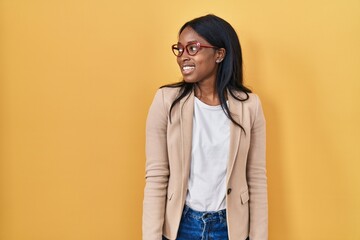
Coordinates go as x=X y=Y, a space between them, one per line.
x=177 y=50
x=192 y=49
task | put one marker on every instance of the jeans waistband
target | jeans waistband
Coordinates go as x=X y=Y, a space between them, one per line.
x=221 y=214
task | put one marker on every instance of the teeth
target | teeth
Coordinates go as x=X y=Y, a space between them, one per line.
x=187 y=68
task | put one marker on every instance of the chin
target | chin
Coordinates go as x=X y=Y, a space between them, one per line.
x=189 y=80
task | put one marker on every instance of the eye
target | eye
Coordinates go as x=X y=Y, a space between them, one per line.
x=193 y=48
x=177 y=49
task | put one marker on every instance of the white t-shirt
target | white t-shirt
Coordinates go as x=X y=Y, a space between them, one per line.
x=209 y=158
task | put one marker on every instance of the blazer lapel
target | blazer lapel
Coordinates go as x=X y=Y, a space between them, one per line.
x=186 y=123
x=235 y=108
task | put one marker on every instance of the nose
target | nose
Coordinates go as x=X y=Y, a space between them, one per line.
x=184 y=57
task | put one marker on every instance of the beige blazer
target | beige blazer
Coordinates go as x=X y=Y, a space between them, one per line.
x=168 y=154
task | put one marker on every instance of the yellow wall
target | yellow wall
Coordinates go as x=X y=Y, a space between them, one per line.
x=77 y=78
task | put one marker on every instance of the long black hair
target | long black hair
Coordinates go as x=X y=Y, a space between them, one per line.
x=221 y=34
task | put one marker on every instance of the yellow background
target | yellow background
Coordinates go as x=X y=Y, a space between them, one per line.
x=77 y=78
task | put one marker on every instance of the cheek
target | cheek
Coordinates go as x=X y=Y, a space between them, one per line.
x=209 y=59
x=208 y=64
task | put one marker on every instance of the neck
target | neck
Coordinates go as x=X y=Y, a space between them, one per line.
x=207 y=93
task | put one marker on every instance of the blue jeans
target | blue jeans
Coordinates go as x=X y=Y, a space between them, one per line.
x=195 y=225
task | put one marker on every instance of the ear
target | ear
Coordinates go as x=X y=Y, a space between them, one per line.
x=220 y=54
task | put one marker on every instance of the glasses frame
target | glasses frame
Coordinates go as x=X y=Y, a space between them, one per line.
x=199 y=45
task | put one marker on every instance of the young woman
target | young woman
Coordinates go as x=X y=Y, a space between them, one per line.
x=205 y=144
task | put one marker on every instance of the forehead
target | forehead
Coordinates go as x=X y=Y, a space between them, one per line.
x=189 y=35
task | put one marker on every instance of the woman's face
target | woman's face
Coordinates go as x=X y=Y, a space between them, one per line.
x=202 y=67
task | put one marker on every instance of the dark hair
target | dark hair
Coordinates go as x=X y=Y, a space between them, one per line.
x=221 y=34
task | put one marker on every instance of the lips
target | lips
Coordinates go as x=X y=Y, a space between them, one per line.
x=187 y=69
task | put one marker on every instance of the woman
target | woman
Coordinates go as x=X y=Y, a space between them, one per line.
x=205 y=144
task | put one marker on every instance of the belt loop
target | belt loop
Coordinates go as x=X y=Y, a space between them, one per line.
x=222 y=215
x=185 y=210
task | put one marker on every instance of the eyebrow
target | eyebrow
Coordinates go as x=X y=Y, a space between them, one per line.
x=193 y=41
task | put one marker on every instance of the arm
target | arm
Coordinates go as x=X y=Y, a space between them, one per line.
x=256 y=176
x=157 y=170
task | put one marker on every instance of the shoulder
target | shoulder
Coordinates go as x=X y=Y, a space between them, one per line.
x=169 y=93
x=249 y=100
x=254 y=100
x=165 y=96
x=249 y=104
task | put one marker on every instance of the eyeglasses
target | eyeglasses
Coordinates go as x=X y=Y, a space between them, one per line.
x=192 y=48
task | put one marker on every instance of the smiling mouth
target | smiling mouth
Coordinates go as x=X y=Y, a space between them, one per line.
x=187 y=69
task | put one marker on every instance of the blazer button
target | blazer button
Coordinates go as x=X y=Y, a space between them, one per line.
x=229 y=191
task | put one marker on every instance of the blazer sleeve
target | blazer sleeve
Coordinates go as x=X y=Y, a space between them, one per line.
x=256 y=177
x=157 y=169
